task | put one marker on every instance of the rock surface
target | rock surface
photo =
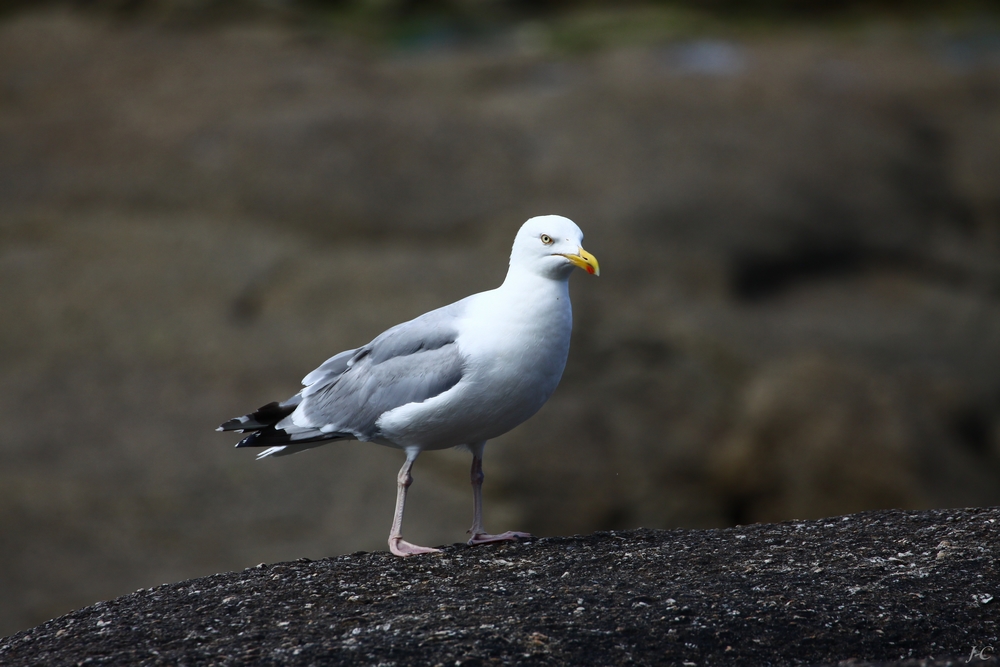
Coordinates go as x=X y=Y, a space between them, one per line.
x=914 y=588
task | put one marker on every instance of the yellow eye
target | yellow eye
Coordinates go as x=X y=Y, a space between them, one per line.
x=546 y=239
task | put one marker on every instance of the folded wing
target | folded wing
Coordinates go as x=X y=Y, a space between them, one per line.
x=346 y=395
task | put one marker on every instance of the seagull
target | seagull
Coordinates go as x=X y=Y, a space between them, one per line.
x=457 y=376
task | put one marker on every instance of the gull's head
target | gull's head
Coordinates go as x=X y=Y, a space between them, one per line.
x=551 y=245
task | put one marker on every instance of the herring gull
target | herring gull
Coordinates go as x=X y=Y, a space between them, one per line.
x=454 y=377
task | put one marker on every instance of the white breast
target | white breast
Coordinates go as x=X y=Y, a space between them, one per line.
x=515 y=340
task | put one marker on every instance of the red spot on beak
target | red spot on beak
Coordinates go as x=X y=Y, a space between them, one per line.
x=590 y=270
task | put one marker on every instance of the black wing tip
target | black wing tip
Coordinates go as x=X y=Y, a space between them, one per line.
x=231 y=425
x=249 y=440
x=261 y=418
x=274 y=437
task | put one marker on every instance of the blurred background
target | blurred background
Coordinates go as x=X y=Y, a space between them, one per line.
x=796 y=206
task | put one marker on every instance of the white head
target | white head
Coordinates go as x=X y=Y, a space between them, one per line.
x=551 y=245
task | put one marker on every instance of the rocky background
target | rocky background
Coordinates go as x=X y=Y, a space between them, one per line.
x=798 y=314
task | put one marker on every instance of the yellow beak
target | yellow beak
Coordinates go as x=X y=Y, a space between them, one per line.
x=585 y=261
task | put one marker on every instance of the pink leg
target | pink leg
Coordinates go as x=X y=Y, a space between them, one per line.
x=479 y=534
x=397 y=544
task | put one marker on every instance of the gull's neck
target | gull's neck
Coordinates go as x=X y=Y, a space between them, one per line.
x=522 y=279
x=526 y=307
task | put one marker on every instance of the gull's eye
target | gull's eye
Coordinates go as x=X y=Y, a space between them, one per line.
x=546 y=239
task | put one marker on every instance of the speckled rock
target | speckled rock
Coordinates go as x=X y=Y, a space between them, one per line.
x=891 y=587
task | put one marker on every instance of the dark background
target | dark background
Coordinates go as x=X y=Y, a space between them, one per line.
x=796 y=207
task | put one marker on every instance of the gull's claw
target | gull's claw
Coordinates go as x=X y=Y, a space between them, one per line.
x=401 y=547
x=484 y=538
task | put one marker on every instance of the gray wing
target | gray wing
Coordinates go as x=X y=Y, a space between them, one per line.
x=409 y=363
x=327 y=372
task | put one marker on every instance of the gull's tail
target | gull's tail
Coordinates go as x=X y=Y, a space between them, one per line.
x=264 y=429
